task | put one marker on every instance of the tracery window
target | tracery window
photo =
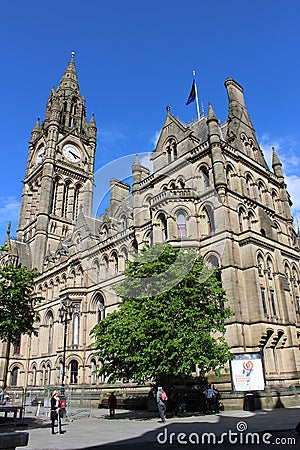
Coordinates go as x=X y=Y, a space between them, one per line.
x=14 y=376
x=73 y=372
x=171 y=149
x=181 y=225
x=164 y=227
x=75 y=330
x=101 y=307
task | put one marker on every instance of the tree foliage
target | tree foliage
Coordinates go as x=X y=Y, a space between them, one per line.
x=171 y=318
x=17 y=313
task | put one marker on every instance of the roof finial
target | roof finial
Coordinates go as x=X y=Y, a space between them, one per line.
x=72 y=55
x=8 y=228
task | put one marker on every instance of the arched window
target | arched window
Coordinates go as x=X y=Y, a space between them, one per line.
x=287 y=272
x=48 y=370
x=164 y=227
x=205 y=177
x=115 y=263
x=75 y=330
x=81 y=276
x=73 y=278
x=97 y=271
x=181 y=225
x=101 y=309
x=76 y=202
x=242 y=215
x=54 y=197
x=104 y=233
x=123 y=221
x=106 y=266
x=180 y=183
x=64 y=281
x=17 y=346
x=65 y=199
x=264 y=301
x=269 y=268
x=228 y=176
x=260 y=265
x=273 y=303
x=14 y=376
x=134 y=246
x=171 y=149
x=44 y=376
x=275 y=202
x=210 y=219
x=248 y=186
x=93 y=371
x=50 y=331
x=34 y=376
x=260 y=188
x=251 y=219
x=212 y=262
x=73 y=372
x=124 y=252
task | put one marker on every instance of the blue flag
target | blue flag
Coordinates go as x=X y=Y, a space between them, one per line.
x=192 y=96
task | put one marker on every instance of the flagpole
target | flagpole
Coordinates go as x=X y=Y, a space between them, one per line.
x=196 y=92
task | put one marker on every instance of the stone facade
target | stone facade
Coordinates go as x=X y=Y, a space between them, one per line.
x=210 y=190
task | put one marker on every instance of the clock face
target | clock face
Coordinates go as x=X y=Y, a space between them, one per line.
x=39 y=156
x=71 y=153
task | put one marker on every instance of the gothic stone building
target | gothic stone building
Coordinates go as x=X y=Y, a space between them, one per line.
x=210 y=189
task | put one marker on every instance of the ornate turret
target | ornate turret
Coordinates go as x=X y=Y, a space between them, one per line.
x=136 y=172
x=216 y=152
x=36 y=130
x=277 y=166
x=240 y=131
x=92 y=128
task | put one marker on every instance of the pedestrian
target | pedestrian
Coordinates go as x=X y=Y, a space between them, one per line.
x=209 y=394
x=55 y=412
x=112 y=404
x=216 y=400
x=161 y=398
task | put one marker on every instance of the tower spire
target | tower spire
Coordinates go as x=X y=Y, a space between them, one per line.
x=69 y=81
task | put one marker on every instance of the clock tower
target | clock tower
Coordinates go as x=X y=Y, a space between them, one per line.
x=59 y=175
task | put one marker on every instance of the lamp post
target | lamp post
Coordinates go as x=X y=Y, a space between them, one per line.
x=65 y=314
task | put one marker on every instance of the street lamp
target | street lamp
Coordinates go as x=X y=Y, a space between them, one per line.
x=65 y=312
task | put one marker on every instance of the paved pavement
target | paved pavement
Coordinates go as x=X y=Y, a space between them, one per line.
x=141 y=430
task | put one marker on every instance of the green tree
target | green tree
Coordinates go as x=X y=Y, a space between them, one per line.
x=172 y=317
x=17 y=306
x=17 y=312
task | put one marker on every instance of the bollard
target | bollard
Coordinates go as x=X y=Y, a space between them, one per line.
x=38 y=408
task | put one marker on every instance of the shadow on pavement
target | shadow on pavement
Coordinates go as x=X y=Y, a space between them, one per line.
x=228 y=433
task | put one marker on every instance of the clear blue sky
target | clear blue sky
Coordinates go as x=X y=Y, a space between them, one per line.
x=135 y=57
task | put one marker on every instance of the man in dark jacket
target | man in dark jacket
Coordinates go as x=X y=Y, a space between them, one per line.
x=112 y=404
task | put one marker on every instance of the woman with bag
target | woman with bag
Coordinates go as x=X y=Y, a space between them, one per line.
x=55 y=412
x=161 y=399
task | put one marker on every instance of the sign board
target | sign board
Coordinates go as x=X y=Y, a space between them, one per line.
x=247 y=372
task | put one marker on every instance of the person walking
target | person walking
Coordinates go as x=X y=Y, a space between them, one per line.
x=112 y=404
x=161 y=398
x=209 y=394
x=54 y=413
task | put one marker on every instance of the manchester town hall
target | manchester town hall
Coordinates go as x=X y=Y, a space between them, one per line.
x=210 y=189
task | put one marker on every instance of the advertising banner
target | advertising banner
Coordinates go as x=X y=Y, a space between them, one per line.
x=247 y=372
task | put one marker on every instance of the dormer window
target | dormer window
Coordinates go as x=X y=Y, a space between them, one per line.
x=171 y=150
